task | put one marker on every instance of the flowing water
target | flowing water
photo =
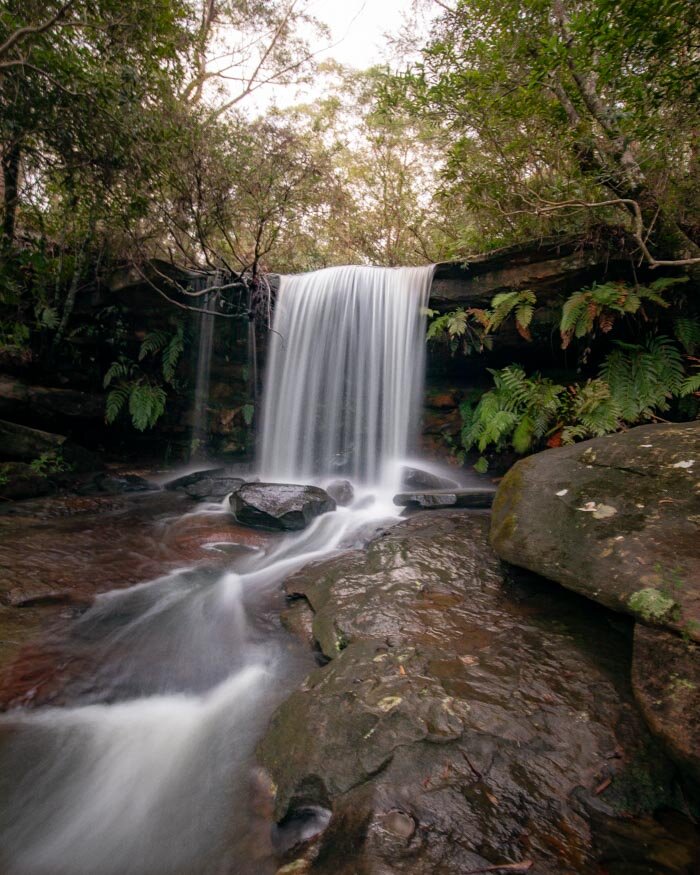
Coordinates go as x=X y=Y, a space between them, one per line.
x=148 y=768
x=345 y=373
x=205 y=342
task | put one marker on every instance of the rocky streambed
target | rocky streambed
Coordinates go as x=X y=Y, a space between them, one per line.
x=469 y=719
x=464 y=715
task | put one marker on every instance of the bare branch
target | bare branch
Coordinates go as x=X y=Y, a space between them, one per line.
x=543 y=206
x=24 y=32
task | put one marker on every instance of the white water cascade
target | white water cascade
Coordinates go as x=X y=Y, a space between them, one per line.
x=345 y=373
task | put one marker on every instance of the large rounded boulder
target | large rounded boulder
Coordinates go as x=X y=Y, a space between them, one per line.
x=616 y=519
x=279 y=506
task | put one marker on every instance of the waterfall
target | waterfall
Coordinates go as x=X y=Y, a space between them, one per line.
x=345 y=373
x=200 y=419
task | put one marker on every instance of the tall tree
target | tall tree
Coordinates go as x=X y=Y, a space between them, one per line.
x=555 y=104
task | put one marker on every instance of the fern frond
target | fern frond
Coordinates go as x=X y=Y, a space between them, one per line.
x=153 y=342
x=116 y=399
x=172 y=353
x=146 y=405
x=119 y=370
x=687 y=332
x=690 y=386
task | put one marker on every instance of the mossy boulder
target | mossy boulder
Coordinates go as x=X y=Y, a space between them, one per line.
x=616 y=519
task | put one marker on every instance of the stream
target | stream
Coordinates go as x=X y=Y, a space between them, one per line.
x=147 y=766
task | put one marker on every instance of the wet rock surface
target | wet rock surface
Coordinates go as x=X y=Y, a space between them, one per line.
x=441 y=498
x=466 y=721
x=666 y=681
x=19 y=480
x=417 y=479
x=341 y=491
x=616 y=519
x=279 y=506
x=213 y=484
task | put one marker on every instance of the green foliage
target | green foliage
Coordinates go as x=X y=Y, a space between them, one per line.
x=146 y=405
x=636 y=382
x=14 y=334
x=248 y=413
x=591 y=411
x=465 y=330
x=687 y=332
x=518 y=411
x=643 y=378
x=544 y=109
x=144 y=401
x=521 y=304
x=170 y=345
x=468 y=330
x=599 y=306
x=138 y=392
x=51 y=462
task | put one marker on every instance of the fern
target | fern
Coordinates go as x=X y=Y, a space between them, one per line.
x=172 y=352
x=601 y=305
x=119 y=370
x=522 y=304
x=591 y=412
x=146 y=404
x=153 y=342
x=116 y=401
x=690 y=386
x=464 y=329
x=687 y=332
x=644 y=377
x=518 y=411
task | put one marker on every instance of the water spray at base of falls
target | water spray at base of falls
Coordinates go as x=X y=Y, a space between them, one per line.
x=147 y=770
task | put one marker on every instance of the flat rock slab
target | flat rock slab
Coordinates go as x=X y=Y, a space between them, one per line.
x=212 y=484
x=616 y=519
x=442 y=498
x=463 y=721
x=279 y=506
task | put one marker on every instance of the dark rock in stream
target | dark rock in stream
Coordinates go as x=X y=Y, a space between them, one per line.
x=211 y=485
x=19 y=480
x=464 y=721
x=279 y=506
x=417 y=479
x=441 y=498
x=341 y=491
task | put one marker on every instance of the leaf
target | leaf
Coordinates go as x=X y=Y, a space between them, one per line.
x=115 y=402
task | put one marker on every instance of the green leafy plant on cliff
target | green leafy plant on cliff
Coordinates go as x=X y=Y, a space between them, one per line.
x=140 y=393
x=517 y=412
x=465 y=330
x=636 y=382
x=51 y=462
x=599 y=306
x=469 y=329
